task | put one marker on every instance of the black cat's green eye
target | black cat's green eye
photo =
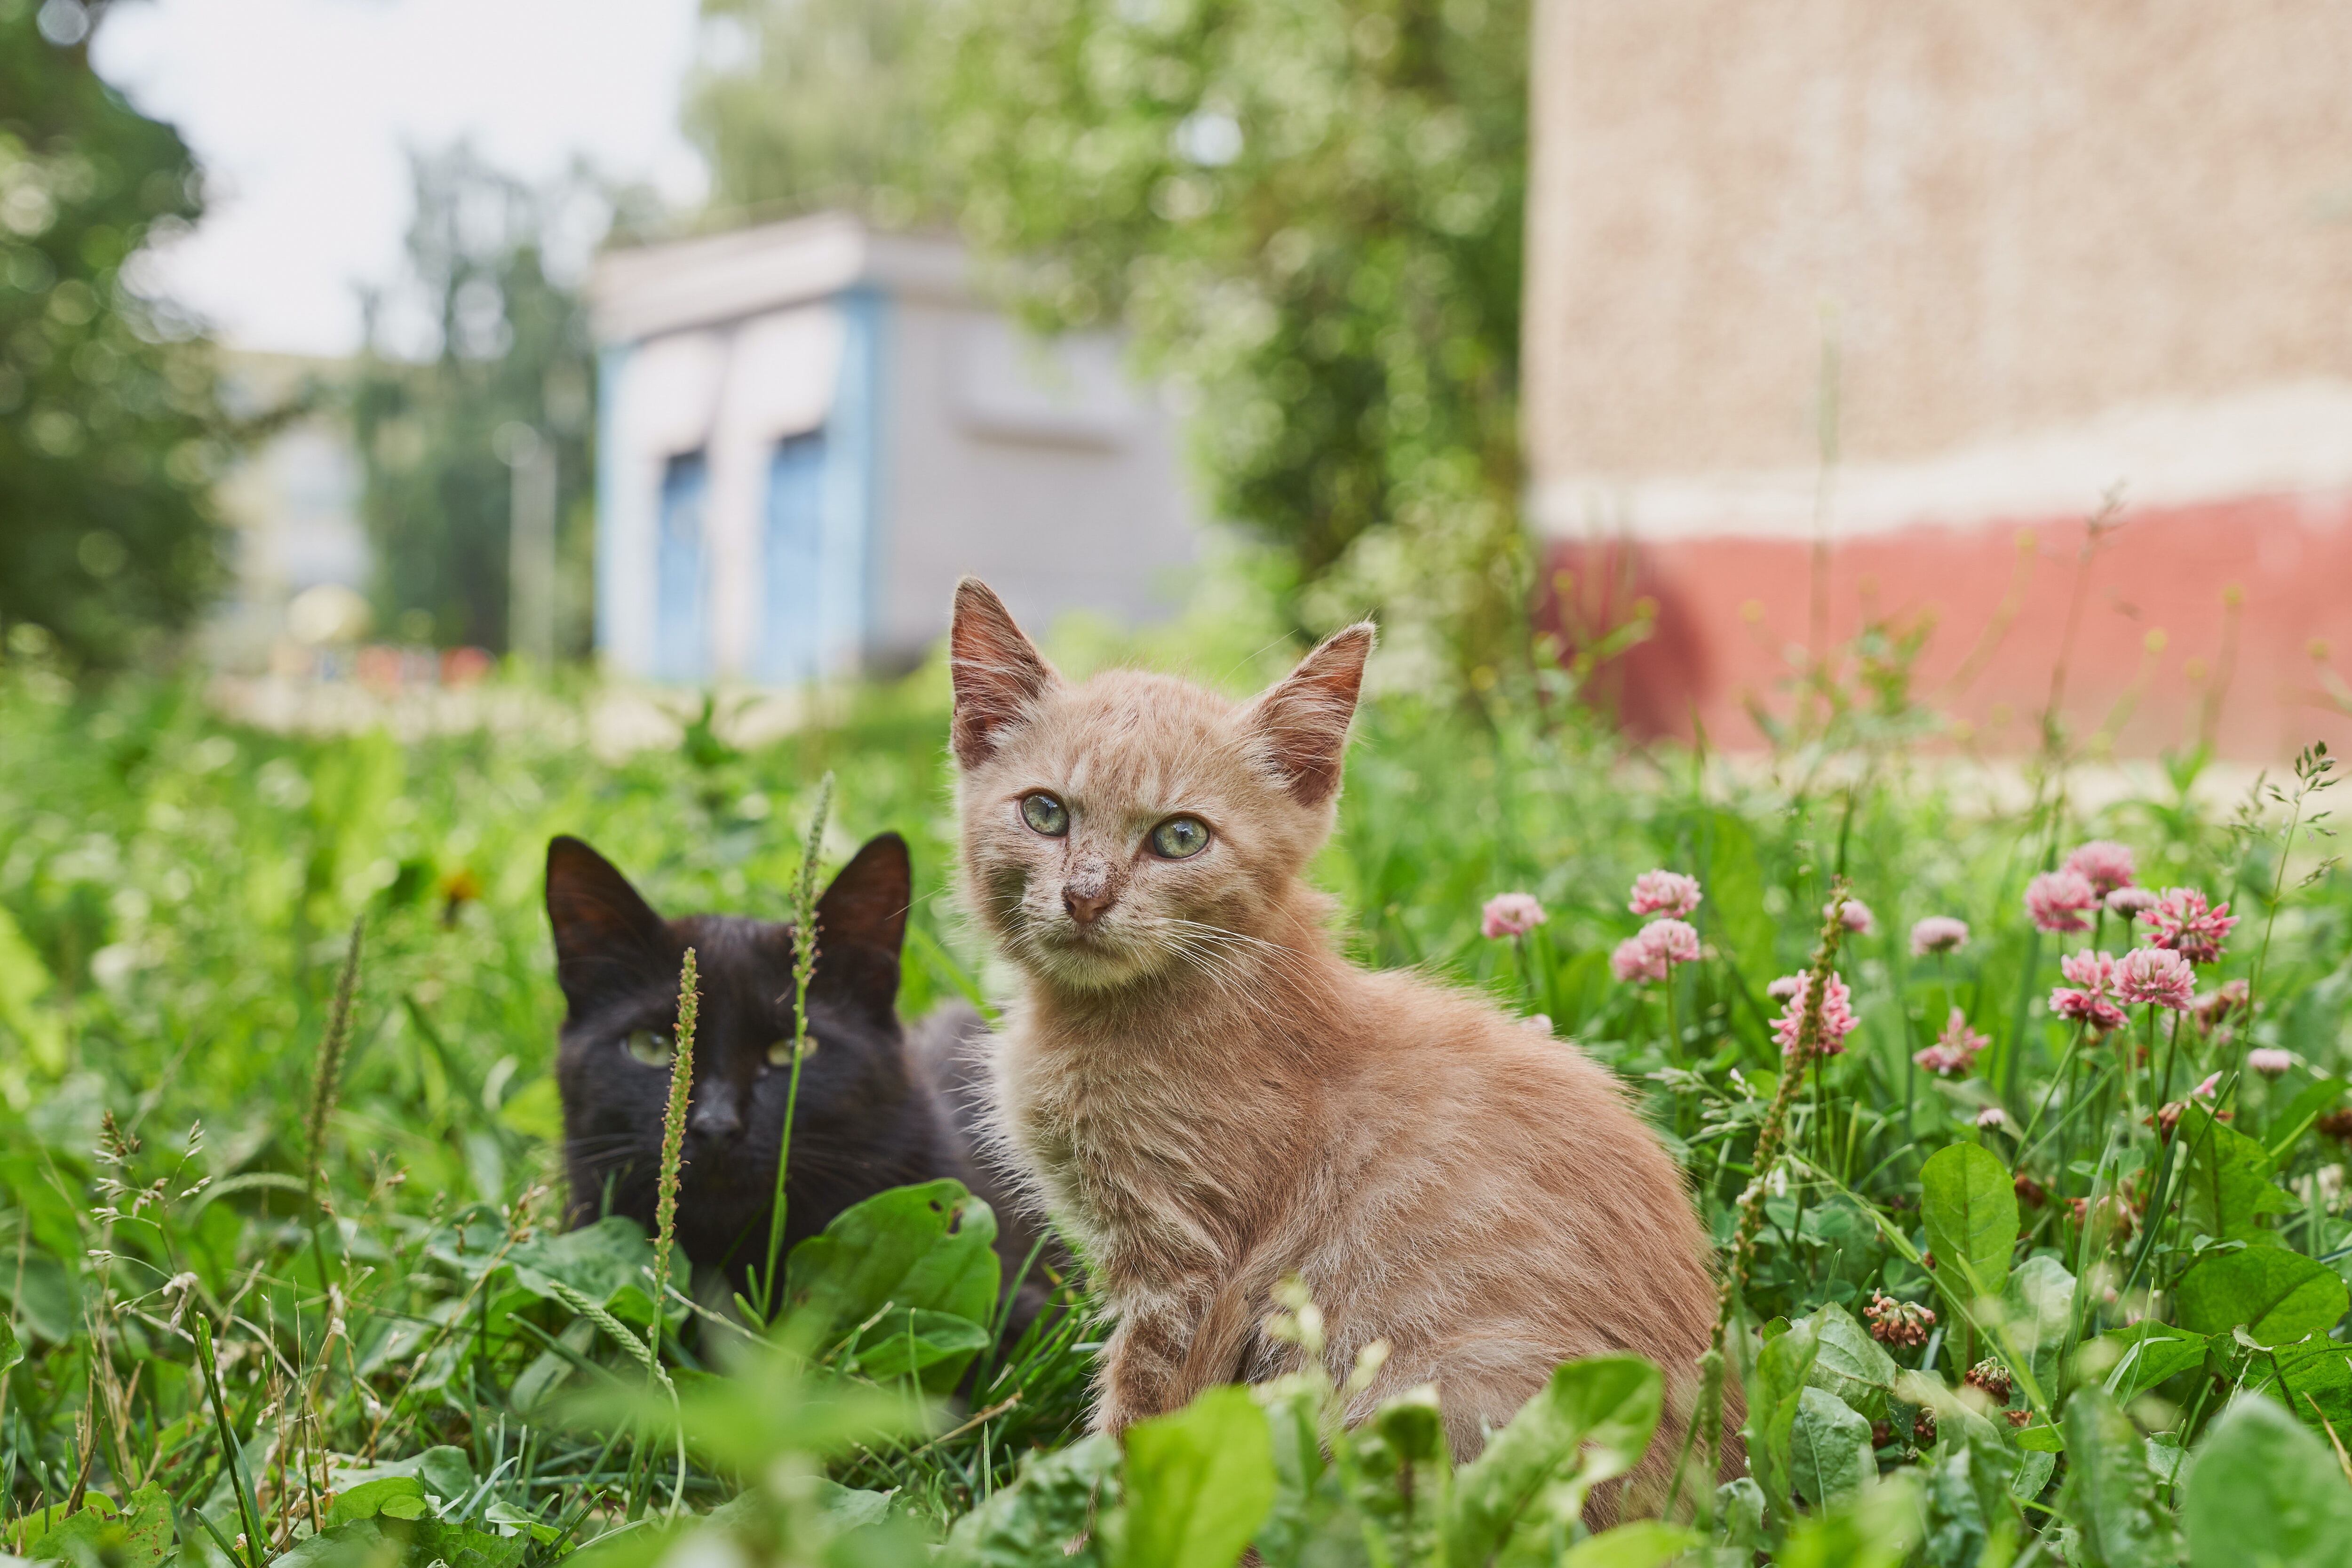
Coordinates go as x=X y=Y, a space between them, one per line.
x=1179 y=837
x=648 y=1048
x=779 y=1052
x=1046 y=815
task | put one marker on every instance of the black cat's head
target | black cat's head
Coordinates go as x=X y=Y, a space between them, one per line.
x=860 y=1125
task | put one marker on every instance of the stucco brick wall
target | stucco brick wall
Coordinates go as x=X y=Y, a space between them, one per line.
x=2008 y=215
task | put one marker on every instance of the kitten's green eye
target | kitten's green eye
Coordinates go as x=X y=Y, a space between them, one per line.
x=648 y=1048
x=1046 y=815
x=779 y=1052
x=1179 y=837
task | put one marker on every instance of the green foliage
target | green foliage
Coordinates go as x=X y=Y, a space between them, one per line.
x=495 y=344
x=2276 y=1296
x=2111 y=1490
x=1309 y=214
x=824 y=103
x=2227 y=1187
x=425 y=1365
x=914 y=1269
x=1849 y=1364
x=1775 y=1399
x=1198 y=1483
x=2264 y=1492
x=1969 y=1203
x=112 y=424
x=1590 y=1424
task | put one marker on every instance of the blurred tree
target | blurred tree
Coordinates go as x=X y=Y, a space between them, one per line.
x=111 y=423
x=802 y=104
x=482 y=336
x=1308 y=214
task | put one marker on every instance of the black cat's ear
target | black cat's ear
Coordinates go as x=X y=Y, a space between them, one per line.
x=865 y=904
x=997 y=671
x=1301 y=722
x=861 y=921
x=606 y=932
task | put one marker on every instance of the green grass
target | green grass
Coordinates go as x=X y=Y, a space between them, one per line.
x=416 y=1362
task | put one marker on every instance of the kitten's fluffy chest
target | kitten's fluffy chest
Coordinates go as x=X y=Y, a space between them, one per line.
x=1141 y=1153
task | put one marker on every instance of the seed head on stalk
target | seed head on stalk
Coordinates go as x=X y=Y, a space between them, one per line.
x=804 y=944
x=681 y=1081
x=332 y=1048
x=1806 y=1045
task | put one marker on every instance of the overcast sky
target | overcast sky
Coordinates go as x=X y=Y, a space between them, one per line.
x=300 y=111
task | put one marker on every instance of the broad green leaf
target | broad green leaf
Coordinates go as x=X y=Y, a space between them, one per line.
x=1967 y=1496
x=930 y=1246
x=1048 y=1515
x=385 y=1539
x=147 y=1529
x=1829 y=1449
x=1645 y=1543
x=1875 y=1529
x=11 y=1352
x=2033 y=1472
x=608 y=1262
x=907 y=1343
x=1774 y=1394
x=446 y=1472
x=2038 y=1308
x=2110 y=1492
x=1199 y=1483
x=2164 y=1456
x=2147 y=1354
x=2040 y=1438
x=1740 y=1514
x=2227 y=1186
x=1969 y=1203
x=2313 y=1377
x=1591 y=1421
x=137 y=1536
x=2264 y=1492
x=2275 y=1295
x=1849 y=1363
x=369 y=1499
x=353 y=1542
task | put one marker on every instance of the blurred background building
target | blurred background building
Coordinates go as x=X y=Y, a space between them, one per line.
x=1919 y=288
x=298 y=557
x=807 y=431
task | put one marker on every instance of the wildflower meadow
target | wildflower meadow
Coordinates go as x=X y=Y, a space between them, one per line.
x=2013 y=1094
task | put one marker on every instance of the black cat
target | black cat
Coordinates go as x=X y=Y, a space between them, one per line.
x=875 y=1111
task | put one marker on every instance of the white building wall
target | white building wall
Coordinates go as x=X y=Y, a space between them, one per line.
x=1038 y=466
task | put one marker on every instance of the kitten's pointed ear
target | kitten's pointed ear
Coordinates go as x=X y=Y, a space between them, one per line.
x=1302 y=722
x=866 y=905
x=605 y=933
x=998 y=673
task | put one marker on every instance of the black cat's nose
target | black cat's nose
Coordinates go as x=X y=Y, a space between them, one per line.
x=714 y=1117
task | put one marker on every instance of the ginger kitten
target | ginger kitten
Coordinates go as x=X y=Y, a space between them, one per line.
x=1209 y=1099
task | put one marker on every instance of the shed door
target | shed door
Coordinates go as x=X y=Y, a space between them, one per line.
x=790 y=646
x=680 y=642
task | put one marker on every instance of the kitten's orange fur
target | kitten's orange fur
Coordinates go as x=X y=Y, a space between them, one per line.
x=1209 y=1099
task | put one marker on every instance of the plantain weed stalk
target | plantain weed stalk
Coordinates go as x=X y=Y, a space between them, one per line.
x=805 y=945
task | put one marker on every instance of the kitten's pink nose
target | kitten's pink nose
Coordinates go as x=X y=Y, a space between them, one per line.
x=1086 y=898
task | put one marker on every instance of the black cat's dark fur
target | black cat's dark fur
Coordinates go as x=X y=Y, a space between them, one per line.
x=872 y=1112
